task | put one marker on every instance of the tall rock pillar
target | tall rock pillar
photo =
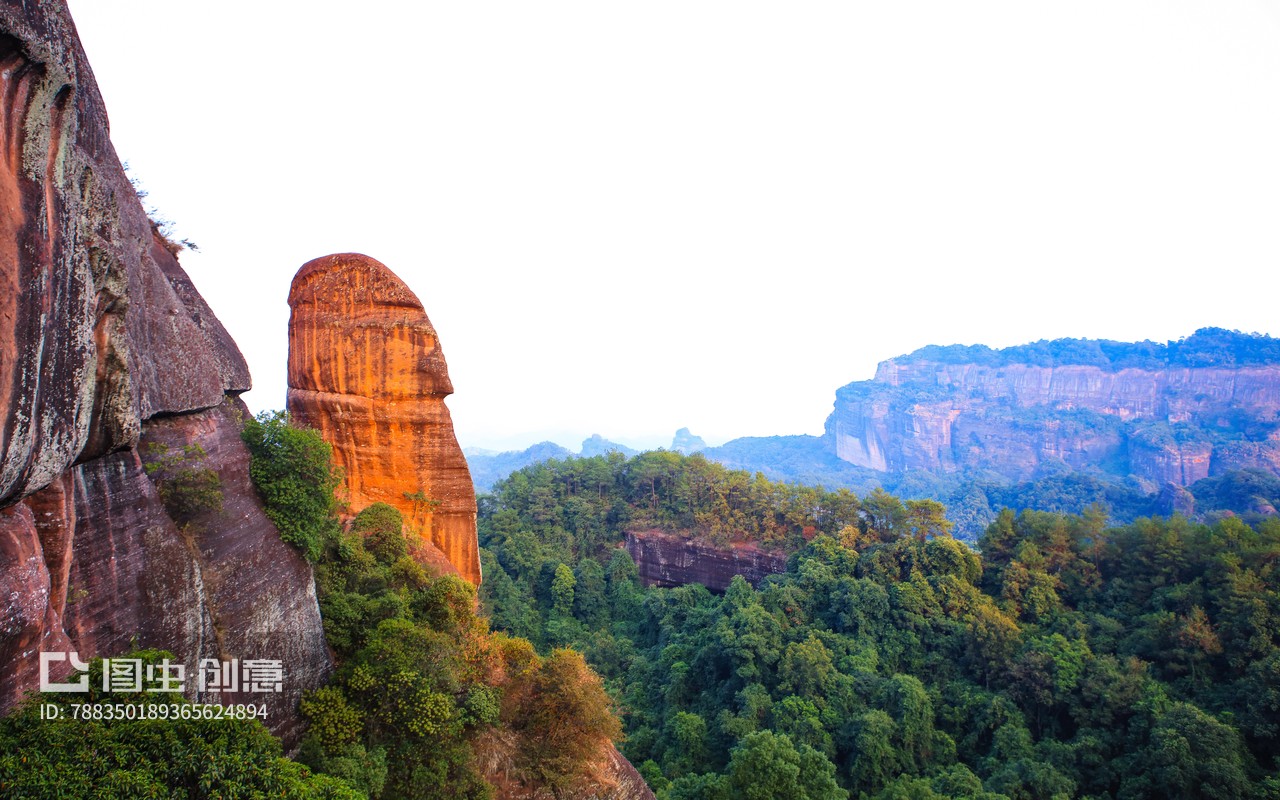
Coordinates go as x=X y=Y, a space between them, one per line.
x=367 y=372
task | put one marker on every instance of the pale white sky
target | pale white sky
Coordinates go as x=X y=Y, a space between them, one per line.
x=625 y=218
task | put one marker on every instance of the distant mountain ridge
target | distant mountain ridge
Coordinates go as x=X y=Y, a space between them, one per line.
x=1207 y=347
x=1189 y=426
x=488 y=466
x=1174 y=413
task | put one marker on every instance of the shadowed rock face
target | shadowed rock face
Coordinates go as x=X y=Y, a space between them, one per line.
x=666 y=560
x=367 y=372
x=103 y=342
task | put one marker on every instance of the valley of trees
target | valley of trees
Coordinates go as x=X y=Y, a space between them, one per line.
x=1061 y=659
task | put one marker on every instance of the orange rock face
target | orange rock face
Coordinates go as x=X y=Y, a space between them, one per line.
x=367 y=372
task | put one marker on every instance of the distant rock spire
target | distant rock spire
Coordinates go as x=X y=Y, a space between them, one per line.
x=685 y=442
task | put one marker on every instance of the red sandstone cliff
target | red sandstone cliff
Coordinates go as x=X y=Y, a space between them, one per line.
x=366 y=370
x=665 y=559
x=106 y=345
x=922 y=414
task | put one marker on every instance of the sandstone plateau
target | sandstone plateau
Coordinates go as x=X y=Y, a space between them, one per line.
x=366 y=371
x=940 y=411
x=106 y=347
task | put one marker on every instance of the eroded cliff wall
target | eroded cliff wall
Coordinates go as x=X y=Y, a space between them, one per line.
x=366 y=370
x=664 y=559
x=105 y=346
x=1173 y=425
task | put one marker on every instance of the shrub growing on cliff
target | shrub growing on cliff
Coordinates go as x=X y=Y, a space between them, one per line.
x=293 y=470
x=186 y=488
x=382 y=526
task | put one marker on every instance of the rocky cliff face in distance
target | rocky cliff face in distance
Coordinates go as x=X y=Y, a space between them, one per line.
x=105 y=347
x=664 y=559
x=366 y=371
x=1167 y=414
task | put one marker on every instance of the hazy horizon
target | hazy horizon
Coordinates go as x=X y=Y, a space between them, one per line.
x=629 y=219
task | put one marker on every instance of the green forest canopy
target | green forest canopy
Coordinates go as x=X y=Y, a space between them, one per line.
x=1062 y=659
x=1207 y=347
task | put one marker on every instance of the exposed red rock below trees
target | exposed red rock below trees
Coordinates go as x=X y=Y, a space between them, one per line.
x=609 y=777
x=103 y=340
x=664 y=559
x=366 y=371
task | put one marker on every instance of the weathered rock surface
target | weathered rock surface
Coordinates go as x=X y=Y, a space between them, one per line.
x=257 y=592
x=664 y=559
x=366 y=370
x=610 y=777
x=922 y=414
x=103 y=340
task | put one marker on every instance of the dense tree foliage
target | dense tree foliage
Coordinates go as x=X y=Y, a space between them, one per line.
x=1207 y=347
x=422 y=689
x=1067 y=659
x=292 y=470
x=126 y=759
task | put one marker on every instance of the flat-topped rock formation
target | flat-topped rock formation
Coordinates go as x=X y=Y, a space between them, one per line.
x=1168 y=414
x=366 y=371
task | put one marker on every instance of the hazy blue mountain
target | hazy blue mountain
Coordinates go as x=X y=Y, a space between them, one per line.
x=488 y=467
x=686 y=442
x=597 y=445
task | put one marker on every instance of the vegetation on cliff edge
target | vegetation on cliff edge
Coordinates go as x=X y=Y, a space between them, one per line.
x=423 y=692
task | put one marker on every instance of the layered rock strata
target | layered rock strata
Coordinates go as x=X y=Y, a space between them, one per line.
x=1014 y=419
x=366 y=370
x=105 y=344
x=664 y=559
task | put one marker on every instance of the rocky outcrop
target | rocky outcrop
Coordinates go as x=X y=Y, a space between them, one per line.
x=366 y=370
x=609 y=776
x=259 y=595
x=597 y=445
x=105 y=344
x=687 y=442
x=664 y=559
x=1173 y=424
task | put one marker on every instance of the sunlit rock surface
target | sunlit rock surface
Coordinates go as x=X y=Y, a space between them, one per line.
x=366 y=370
